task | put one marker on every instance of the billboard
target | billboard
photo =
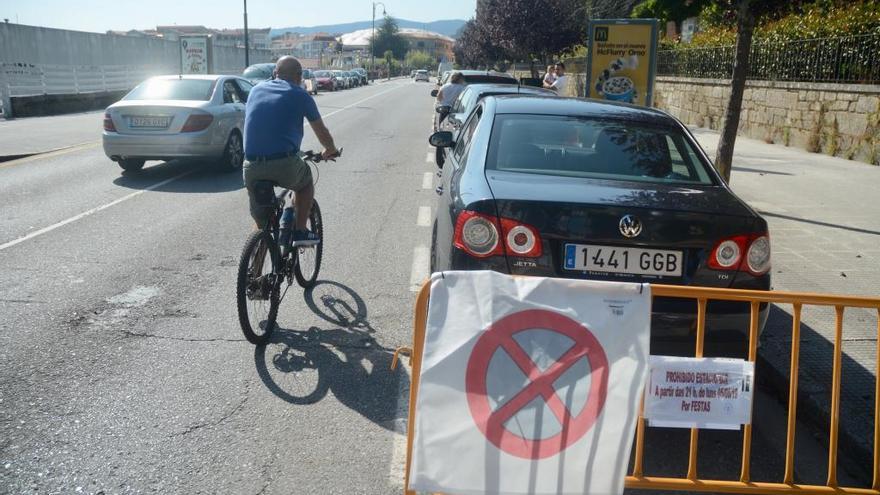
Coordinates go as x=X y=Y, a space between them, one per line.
x=622 y=60
x=193 y=54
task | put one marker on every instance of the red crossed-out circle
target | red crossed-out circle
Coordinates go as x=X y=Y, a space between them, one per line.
x=498 y=337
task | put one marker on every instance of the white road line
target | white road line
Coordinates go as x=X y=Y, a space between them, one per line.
x=424 y=219
x=429 y=157
x=397 y=470
x=92 y=211
x=420 y=266
x=427 y=180
x=50 y=154
x=359 y=102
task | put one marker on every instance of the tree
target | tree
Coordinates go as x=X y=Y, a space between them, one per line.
x=745 y=26
x=388 y=38
x=474 y=50
x=416 y=59
x=534 y=29
x=669 y=10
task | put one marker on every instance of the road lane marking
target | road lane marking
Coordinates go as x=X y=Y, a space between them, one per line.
x=427 y=180
x=420 y=267
x=91 y=212
x=397 y=470
x=424 y=219
x=361 y=101
x=429 y=158
x=50 y=154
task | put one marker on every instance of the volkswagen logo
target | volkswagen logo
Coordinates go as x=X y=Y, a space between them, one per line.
x=630 y=226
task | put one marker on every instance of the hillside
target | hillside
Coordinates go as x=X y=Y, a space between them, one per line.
x=447 y=27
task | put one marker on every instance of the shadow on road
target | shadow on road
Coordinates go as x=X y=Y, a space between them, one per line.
x=204 y=177
x=302 y=366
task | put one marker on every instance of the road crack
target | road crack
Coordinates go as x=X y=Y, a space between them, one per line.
x=129 y=333
x=222 y=419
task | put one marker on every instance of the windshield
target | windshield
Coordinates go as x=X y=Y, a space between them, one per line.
x=487 y=79
x=173 y=89
x=322 y=73
x=307 y=74
x=589 y=148
x=257 y=72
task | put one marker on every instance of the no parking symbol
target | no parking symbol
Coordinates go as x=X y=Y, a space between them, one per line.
x=500 y=338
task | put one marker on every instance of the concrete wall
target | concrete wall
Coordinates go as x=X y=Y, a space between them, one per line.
x=836 y=119
x=37 y=61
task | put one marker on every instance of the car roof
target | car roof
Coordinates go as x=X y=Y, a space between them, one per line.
x=498 y=87
x=578 y=107
x=471 y=72
x=209 y=77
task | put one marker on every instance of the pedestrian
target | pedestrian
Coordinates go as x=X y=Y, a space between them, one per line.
x=560 y=85
x=550 y=76
x=450 y=91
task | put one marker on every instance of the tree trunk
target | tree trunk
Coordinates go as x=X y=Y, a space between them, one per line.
x=745 y=25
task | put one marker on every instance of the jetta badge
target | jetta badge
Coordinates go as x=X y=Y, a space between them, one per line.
x=630 y=226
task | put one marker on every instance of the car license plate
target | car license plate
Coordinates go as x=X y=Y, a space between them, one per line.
x=617 y=259
x=152 y=122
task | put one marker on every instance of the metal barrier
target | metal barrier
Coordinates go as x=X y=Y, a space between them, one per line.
x=692 y=482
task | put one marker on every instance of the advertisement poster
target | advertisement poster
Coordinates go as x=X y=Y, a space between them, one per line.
x=621 y=60
x=193 y=55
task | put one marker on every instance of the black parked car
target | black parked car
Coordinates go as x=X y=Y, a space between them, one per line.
x=451 y=118
x=573 y=188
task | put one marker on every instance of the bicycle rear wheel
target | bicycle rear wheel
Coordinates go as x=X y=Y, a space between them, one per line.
x=257 y=290
x=309 y=258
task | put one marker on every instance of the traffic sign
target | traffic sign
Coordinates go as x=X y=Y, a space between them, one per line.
x=500 y=338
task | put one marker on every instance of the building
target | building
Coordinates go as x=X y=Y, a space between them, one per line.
x=258 y=38
x=435 y=44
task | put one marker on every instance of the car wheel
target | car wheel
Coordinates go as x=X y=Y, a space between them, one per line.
x=233 y=154
x=131 y=164
x=434 y=247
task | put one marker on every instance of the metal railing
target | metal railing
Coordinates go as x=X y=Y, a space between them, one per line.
x=845 y=59
x=691 y=482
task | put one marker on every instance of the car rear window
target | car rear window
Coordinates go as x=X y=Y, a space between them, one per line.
x=593 y=148
x=258 y=72
x=173 y=89
x=487 y=79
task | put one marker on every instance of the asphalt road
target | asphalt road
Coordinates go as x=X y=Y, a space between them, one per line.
x=122 y=366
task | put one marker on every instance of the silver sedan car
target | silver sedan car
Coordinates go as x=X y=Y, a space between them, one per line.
x=189 y=116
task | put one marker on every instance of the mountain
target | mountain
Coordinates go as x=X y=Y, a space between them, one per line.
x=447 y=27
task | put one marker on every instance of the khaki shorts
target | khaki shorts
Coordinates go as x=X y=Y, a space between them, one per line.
x=289 y=172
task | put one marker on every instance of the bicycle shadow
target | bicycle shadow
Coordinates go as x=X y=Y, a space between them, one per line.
x=302 y=366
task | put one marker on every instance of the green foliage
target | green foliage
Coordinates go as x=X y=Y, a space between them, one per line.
x=416 y=59
x=388 y=38
x=668 y=10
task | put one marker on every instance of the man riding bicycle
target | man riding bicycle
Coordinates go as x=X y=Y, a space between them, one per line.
x=273 y=134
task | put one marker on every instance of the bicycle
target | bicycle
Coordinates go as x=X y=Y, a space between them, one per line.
x=263 y=267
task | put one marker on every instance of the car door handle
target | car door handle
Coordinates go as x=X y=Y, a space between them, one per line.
x=439 y=190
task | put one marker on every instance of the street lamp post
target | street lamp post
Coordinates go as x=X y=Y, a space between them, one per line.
x=247 y=61
x=373 y=37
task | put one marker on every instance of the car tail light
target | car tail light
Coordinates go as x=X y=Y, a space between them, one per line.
x=197 y=122
x=108 y=123
x=747 y=253
x=480 y=236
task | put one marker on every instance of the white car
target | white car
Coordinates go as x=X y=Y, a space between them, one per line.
x=189 y=116
x=422 y=75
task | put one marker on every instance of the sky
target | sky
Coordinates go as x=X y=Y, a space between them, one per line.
x=102 y=15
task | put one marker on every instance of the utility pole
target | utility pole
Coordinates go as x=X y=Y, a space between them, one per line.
x=247 y=60
x=373 y=37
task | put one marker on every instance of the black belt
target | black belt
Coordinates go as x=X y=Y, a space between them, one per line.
x=274 y=156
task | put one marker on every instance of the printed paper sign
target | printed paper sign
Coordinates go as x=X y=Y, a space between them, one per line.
x=711 y=393
x=194 y=54
x=621 y=59
x=529 y=385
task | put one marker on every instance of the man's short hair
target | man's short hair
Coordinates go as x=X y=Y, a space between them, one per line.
x=560 y=64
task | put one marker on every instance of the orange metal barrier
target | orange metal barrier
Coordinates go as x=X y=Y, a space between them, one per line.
x=638 y=479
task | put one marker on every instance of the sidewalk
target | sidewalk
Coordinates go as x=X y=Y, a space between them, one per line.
x=824 y=218
x=30 y=135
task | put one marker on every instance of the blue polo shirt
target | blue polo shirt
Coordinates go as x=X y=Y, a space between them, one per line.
x=273 y=119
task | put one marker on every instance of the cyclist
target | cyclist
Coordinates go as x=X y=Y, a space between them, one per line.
x=273 y=134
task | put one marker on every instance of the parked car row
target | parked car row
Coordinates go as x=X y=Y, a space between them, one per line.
x=537 y=184
x=335 y=80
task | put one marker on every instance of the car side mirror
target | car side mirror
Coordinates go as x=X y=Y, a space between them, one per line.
x=443 y=109
x=434 y=93
x=441 y=139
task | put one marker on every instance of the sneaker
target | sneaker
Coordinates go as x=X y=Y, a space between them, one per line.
x=302 y=238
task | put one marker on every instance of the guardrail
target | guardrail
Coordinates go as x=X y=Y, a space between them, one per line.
x=691 y=482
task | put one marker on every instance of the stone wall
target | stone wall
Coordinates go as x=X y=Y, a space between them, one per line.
x=836 y=119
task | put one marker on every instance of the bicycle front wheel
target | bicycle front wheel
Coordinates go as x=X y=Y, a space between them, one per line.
x=308 y=262
x=258 y=287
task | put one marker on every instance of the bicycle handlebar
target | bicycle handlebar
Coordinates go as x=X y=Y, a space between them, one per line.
x=317 y=157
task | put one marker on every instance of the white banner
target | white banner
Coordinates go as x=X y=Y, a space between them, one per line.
x=711 y=393
x=194 y=54
x=529 y=385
